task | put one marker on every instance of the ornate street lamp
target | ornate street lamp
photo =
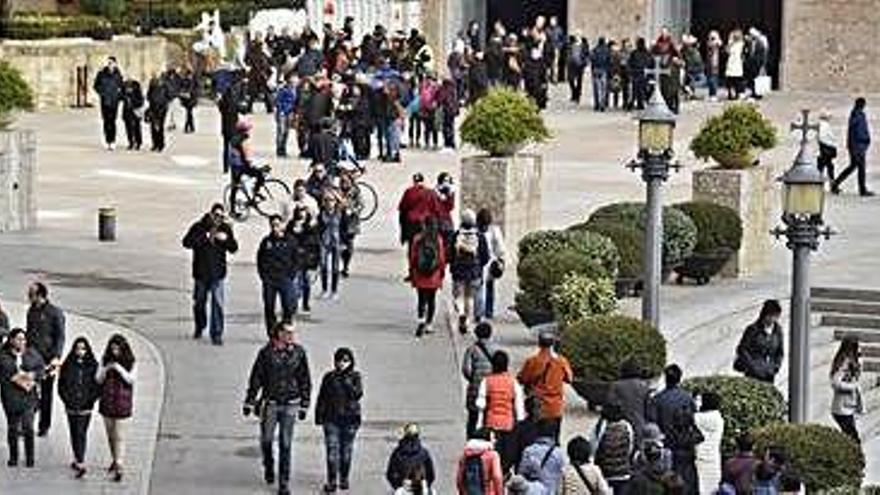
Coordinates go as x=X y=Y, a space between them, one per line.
x=656 y=127
x=803 y=201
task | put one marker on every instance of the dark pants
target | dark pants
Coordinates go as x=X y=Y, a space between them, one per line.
x=157 y=128
x=448 y=130
x=109 y=115
x=472 y=417
x=684 y=465
x=281 y=418
x=78 y=424
x=380 y=136
x=339 y=444
x=640 y=92
x=489 y=298
x=619 y=487
x=847 y=425
x=415 y=130
x=190 y=126
x=284 y=289
x=856 y=163
x=201 y=291
x=47 y=394
x=347 y=252
x=330 y=267
x=430 y=122
x=133 y=130
x=427 y=304
x=305 y=288
x=225 y=151
x=20 y=425
x=576 y=84
x=826 y=160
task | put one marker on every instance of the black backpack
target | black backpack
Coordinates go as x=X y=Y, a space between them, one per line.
x=474 y=478
x=427 y=255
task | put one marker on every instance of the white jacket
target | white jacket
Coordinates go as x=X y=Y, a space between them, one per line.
x=711 y=425
x=735 y=59
x=847 y=400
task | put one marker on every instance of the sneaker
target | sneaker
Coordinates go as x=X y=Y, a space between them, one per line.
x=80 y=472
x=835 y=190
x=343 y=485
x=329 y=488
x=218 y=341
x=334 y=297
x=462 y=325
x=12 y=463
x=284 y=491
x=323 y=295
x=112 y=147
x=866 y=194
x=428 y=328
x=269 y=476
x=29 y=463
x=420 y=330
x=344 y=273
x=305 y=311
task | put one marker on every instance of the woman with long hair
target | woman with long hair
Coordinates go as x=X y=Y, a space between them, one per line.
x=847 y=401
x=21 y=371
x=427 y=266
x=79 y=390
x=116 y=375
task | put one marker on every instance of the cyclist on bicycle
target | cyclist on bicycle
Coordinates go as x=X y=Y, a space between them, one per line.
x=240 y=162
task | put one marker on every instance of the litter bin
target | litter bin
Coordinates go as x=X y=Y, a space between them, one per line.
x=106 y=224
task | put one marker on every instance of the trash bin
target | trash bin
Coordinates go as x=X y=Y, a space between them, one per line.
x=106 y=224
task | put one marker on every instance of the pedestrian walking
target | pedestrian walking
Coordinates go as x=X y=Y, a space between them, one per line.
x=189 y=98
x=535 y=78
x=159 y=97
x=760 y=351
x=79 y=390
x=714 y=47
x=847 y=401
x=117 y=376
x=500 y=401
x=285 y=106
x=711 y=425
x=417 y=204
x=544 y=375
x=21 y=369
x=45 y=334
x=338 y=411
x=277 y=265
x=738 y=472
x=581 y=476
x=734 y=71
x=542 y=461
x=210 y=239
x=578 y=56
x=468 y=257
x=497 y=254
x=600 y=66
x=639 y=60
x=330 y=226
x=632 y=394
x=615 y=445
x=303 y=228
x=108 y=85
x=427 y=267
x=479 y=467
x=410 y=461
x=827 y=146
x=279 y=390
x=132 y=113
x=858 y=140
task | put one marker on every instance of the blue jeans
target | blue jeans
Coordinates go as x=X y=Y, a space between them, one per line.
x=339 y=444
x=201 y=290
x=330 y=263
x=713 y=85
x=282 y=417
x=600 y=90
x=286 y=289
x=305 y=288
x=282 y=131
x=392 y=139
x=489 y=298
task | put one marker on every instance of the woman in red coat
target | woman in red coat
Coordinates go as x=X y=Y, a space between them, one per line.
x=427 y=266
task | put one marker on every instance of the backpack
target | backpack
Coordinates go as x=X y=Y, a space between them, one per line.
x=427 y=256
x=684 y=432
x=428 y=97
x=473 y=475
x=467 y=243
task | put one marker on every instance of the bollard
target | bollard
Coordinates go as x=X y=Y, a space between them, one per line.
x=107 y=224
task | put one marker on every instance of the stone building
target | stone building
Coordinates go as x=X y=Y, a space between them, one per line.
x=816 y=45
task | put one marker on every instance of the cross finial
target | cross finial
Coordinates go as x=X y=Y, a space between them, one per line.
x=804 y=127
x=658 y=70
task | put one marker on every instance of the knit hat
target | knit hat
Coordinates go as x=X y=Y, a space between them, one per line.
x=410 y=430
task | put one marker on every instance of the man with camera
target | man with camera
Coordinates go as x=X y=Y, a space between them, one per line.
x=278 y=392
x=210 y=239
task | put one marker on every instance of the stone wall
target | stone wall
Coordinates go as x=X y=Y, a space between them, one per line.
x=831 y=45
x=611 y=18
x=49 y=66
x=510 y=188
x=750 y=193
x=18 y=163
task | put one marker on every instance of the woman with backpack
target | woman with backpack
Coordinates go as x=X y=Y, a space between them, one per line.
x=581 y=476
x=79 y=390
x=479 y=467
x=497 y=254
x=116 y=375
x=427 y=267
x=469 y=255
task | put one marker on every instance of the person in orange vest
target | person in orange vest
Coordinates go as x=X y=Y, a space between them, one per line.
x=544 y=374
x=500 y=399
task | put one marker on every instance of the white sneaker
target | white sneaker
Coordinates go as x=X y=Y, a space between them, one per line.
x=323 y=295
x=334 y=297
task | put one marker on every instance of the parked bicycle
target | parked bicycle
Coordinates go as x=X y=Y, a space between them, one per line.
x=272 y=197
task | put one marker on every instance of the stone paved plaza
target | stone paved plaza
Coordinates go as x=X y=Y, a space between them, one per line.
x=189 y=437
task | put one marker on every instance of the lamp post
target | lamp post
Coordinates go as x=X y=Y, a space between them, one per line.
x=803 y=200
x=656 y=126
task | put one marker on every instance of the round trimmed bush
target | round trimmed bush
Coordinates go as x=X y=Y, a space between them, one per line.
x=541 y=271
x=679 y=231
x=732 y=137
x=503 y=121
x=746 y=404
x=579 y=297
x=824 y=457
x=597 y=345
x=629 y=241
x=542 y=240
x=595 y=246
x=717 y=226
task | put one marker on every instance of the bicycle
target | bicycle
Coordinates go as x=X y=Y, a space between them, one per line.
x=368 y=197
x=273 y=198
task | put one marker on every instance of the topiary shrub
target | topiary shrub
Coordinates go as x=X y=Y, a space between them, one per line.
x=629 y=242
x=679 y=231
x=732 y=137
x=597 y=345
x=541 y=271
x=595 y=246
x=15 y=94
x=717 y=226
x=503 y=121
x=824 y=457
x=746 y=404
x=579 y=297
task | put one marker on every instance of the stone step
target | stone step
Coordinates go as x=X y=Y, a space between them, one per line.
x=863 y=336
x=850 y=321
x=838 y=293
x=870 y=351
x=869 y=366
x=845 y=307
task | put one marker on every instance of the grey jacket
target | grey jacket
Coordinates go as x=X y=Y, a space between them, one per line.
x=550 y=473
x=475 y=365
x=847 y=399
x=45 y=330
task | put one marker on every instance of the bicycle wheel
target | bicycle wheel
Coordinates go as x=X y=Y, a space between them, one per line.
x=240 y=210
x=275 y=200
x=369 y=200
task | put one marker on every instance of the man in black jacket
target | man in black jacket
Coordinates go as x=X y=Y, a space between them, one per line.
x=45 y=334
x=277 y=265
x=210 y=239
x=108 y=85
x=279 y=390
x=159 y=97
x=132 y=110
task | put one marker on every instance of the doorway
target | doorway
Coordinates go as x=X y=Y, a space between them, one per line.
x=727 y=15
x=517 y=14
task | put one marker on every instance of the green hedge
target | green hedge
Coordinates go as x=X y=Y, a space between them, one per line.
x=824 y=457
x=596 y=346
x=15 y=94
x=717 y=226
x=746 y=404
x=629 y=241
x=740 y=129
x=579 y=297
x=41 y=26
x=540 y=272
x=503 y=121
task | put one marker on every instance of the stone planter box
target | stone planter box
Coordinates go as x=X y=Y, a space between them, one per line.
x=749 y=192
x=18 y=164
x=510 y=187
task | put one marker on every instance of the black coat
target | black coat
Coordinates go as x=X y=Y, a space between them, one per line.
x=209 y=255
x=132 y=96
x=15 y=399
x=339 y=399
x=666 y=410
x=277 y=258
x=77 y=386
x=478 y=80
x=408 y=456
x=45 y=330
x=324 y=147
x=280 y=376
x=108 y=85
x=759 y=354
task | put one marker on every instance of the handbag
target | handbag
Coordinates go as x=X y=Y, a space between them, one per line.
x=763 y=85
x=496 y=269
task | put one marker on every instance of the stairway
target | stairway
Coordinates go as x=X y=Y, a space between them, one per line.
x=852 y=313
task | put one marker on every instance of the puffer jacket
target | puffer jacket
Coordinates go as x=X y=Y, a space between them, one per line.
x=476 y=365
x=339 y=399
x=77 y=385
x=408 y=456
x=614 y=449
